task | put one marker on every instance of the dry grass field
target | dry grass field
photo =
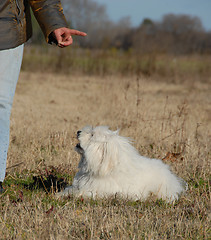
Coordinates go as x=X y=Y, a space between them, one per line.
x=167 y=120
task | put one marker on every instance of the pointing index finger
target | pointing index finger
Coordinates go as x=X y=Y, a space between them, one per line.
x=78 y=33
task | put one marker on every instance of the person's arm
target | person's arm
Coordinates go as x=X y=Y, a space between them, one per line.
x=49 y=14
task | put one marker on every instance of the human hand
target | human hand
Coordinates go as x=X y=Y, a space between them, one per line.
x=64 y=36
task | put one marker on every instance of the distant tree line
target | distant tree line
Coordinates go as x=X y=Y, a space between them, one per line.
x=176 y=34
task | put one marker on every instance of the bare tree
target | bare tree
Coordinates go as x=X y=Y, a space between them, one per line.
x=184 y=30
x=91 y=17
x=174 y=34
x=180 y=24
x=88 y=16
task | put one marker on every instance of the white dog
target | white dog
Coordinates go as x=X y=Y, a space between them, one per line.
x=110 y=165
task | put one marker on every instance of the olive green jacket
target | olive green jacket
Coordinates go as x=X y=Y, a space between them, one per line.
x=15 y=20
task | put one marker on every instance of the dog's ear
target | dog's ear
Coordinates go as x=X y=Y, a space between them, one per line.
x=110 y=157
x=102 y=157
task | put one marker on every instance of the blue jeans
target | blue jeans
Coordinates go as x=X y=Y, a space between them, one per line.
x=10 y=63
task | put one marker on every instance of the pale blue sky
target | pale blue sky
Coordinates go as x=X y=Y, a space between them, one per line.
x=155 y=9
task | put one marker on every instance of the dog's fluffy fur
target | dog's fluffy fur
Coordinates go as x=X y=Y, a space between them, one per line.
x=110 y=165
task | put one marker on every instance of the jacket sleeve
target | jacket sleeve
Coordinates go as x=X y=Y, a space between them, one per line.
x=49 y=14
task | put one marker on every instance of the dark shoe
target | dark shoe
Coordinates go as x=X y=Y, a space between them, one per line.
x=1 y=188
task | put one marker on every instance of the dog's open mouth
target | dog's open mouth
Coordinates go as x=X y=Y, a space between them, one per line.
x=78 y=148
x=78 y=145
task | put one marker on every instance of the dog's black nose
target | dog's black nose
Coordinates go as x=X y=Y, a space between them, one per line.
x=78 y=133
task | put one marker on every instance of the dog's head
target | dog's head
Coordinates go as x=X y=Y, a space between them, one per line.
x=100 y=148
